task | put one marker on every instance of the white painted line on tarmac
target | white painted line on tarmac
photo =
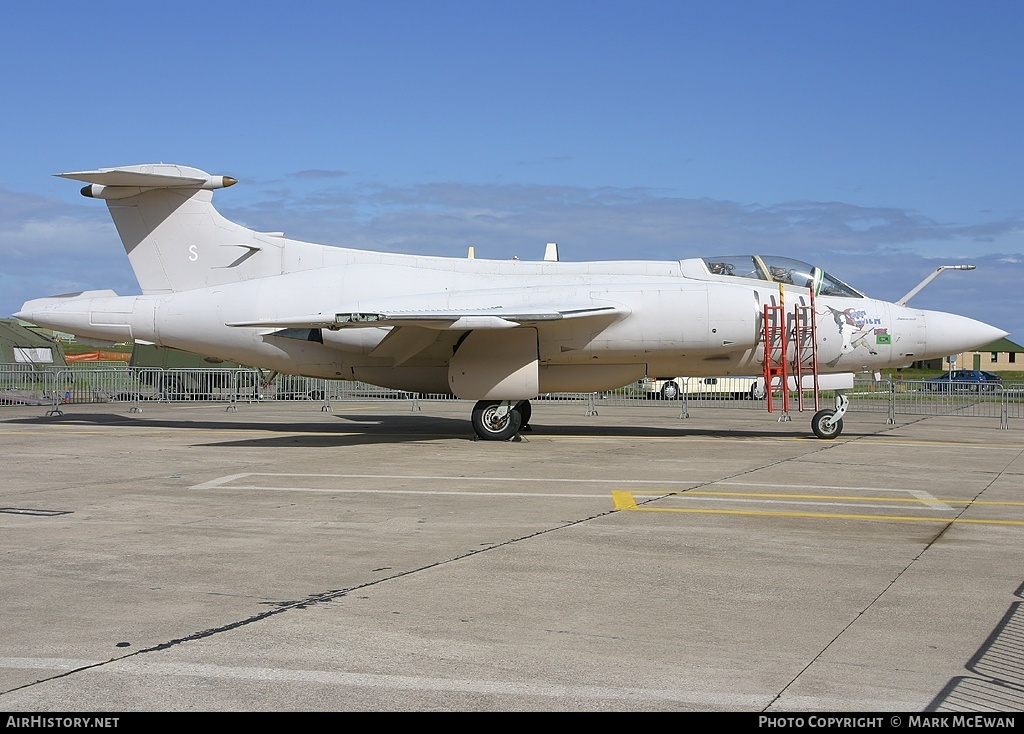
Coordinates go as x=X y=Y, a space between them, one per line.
x=220 y=482
x=60 y=664
x=229 y=482
x=142 y=667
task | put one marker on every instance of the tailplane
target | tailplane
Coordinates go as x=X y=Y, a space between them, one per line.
x=174 y=237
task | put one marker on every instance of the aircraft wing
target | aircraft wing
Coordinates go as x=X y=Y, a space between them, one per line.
x=440 y=320
x=156 y=176
x=118 y=177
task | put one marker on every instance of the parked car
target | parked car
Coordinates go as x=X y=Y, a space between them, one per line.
x=964 y=381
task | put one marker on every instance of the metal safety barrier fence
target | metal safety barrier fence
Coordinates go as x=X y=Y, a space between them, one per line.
x=59 y=387
x=26 y=385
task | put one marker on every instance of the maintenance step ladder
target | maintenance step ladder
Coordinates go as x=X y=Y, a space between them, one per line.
x=790 y=350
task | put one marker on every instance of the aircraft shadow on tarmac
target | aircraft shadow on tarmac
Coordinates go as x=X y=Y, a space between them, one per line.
x=353 y=429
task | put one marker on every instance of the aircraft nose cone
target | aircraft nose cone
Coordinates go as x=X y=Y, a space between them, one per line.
x=949 y=334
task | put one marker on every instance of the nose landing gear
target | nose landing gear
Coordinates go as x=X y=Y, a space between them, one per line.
x=828 y=423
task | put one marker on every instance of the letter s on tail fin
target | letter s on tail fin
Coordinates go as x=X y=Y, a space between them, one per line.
x=174 y=237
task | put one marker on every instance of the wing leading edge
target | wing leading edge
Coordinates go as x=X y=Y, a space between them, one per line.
x=439 y=320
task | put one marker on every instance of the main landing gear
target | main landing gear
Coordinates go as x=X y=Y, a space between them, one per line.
x=501 y=420
x=828 y=423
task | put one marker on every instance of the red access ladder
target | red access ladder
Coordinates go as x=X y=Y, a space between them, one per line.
x=775 y=337
x=783 y=333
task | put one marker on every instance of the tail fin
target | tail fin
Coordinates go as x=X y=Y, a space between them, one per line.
x=174 y=237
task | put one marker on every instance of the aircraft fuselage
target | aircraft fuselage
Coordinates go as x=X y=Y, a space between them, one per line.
x=496 y=331
x=665 y=324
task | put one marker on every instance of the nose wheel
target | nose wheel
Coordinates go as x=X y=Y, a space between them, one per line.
x=828 y=423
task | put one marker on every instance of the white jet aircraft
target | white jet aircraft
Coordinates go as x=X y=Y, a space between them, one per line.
x=499 y=332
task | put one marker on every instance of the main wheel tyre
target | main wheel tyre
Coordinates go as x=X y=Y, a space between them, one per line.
x=823 y=425
x=670 y=391
x=525 y=411
x=490 y=425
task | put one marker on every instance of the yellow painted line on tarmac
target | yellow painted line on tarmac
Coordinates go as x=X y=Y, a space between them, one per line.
x=80 y=431
x=945 y=444
x=688 y=438
x=131 y=430
x=916 y=500
x=625 y=501
x=128 y=428
x=840 y=441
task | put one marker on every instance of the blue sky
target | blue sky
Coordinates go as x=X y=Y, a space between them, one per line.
x=876 y=139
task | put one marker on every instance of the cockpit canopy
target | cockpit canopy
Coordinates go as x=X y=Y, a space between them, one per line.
x=780 y=270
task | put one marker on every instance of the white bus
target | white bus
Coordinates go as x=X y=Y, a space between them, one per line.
x=671 y=388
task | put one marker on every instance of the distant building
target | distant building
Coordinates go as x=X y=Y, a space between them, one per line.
x=1002 y=354
x=999 y=355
